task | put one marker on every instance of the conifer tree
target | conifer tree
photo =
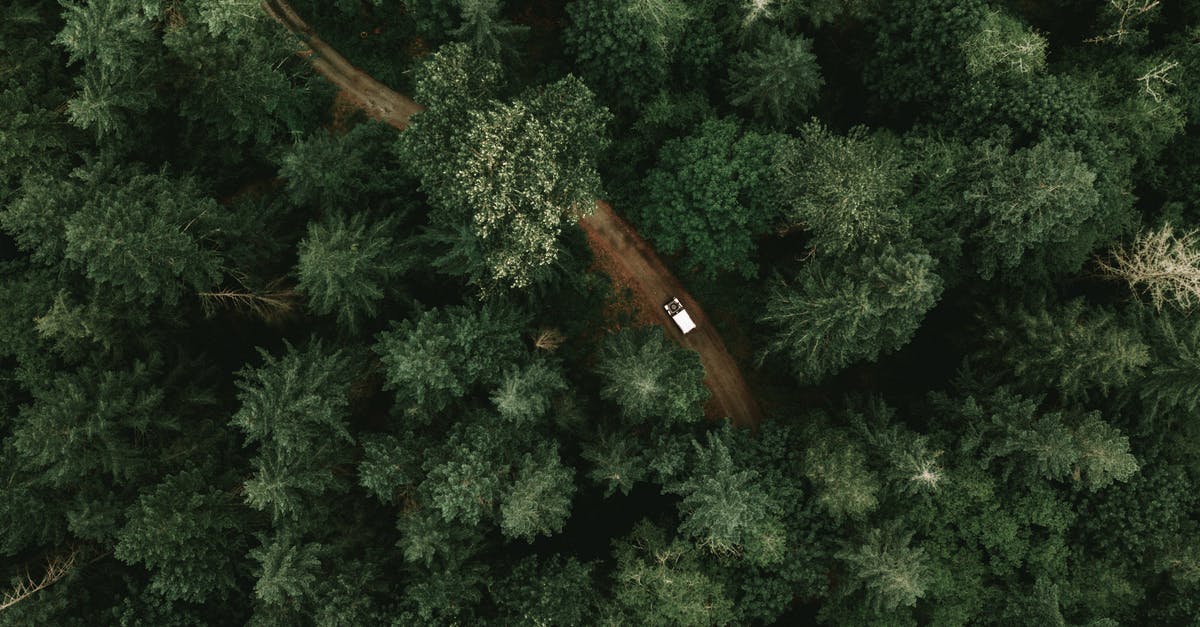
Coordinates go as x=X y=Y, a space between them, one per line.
x=189 y=535
x=294 y=407
x=837 y=468
x=893 y=573
x=836 y=315
x=725 y=512
x=484 y=30
x=778 y=80
x=346 y=266
x=843 y=189
x=539 y=500
x=650 y=379
x=443 y=354
x=1075 y=348
x=659 y=581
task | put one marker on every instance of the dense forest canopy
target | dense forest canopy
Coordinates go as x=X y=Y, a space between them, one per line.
x=267 y=360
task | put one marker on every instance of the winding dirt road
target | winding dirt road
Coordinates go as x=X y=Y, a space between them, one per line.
x=619 y=250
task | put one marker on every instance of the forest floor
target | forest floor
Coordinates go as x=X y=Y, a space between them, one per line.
x=619 y=250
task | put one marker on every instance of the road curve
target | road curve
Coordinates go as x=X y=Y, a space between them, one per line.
x=622 y=253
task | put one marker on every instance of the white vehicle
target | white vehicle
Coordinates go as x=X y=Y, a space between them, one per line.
x=680 y=316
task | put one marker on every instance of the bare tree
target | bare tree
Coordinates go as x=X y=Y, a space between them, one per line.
x=1160 y=264
x=273 y=303
x=1127 y=12
x=57 y=567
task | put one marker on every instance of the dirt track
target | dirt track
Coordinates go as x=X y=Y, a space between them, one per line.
x=622 y=253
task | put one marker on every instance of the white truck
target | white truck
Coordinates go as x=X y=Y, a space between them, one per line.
x=679 y=315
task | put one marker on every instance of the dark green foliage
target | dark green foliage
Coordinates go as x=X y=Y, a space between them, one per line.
x=91 y=422
x=554 y=591
x=181 y=531
x=1047 y=445
x=649 y=379
x=778 y=80
x=843 y=190
x=540 y=498
x=441 y=355
x=725 y=512
x=833 y=316
x=660 y=581
x=891 y=572
x=484 y=30
x=346 y=265
x=621 y=51
x=709 y=195
x=294 y=408
x=1074 y=348
x=1034 y=202
x=459 y=417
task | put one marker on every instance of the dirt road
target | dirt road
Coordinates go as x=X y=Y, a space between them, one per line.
x=623 y=254
x=376 y=99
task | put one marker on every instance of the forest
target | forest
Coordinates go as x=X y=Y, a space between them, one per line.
x=350 y=312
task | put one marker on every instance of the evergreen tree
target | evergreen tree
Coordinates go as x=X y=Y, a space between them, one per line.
x=539 y=501
x=295 y=408
x=778 y=81
x=659 y=581
x=709 y=195
x=484 y=30
x=892 y=572
x=845 y=486
x=1074 y=348
x=346 y=265
x=837 y=315
x=844 y=190
x=1035 y=203
x=189 y=535
x=650 y=379
x=725 y=512
x=442 y=354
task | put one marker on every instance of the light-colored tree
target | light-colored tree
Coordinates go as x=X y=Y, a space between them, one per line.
x=1161 y=265
x=1004 y=46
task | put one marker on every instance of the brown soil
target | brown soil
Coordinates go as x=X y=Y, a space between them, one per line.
x=619 y=250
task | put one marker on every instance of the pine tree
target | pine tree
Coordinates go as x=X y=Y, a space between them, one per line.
x=725 y=511
x=346 y=266
x=442 y=354
x=295 y=408
x=92 y=422
x=659 y=581
x=1035 y=203
x=836 y=315
x=616 y=462
x=553 y=590
x=893 y=573
x=1002 y=47
x=650 y=379
x=1074 y=348
x=484 y=30
x=525 y=395
x=845 y=486
x=189 y=535
x=288 y=570
x=843 y=189
x=539 y=501
x=778 y=81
